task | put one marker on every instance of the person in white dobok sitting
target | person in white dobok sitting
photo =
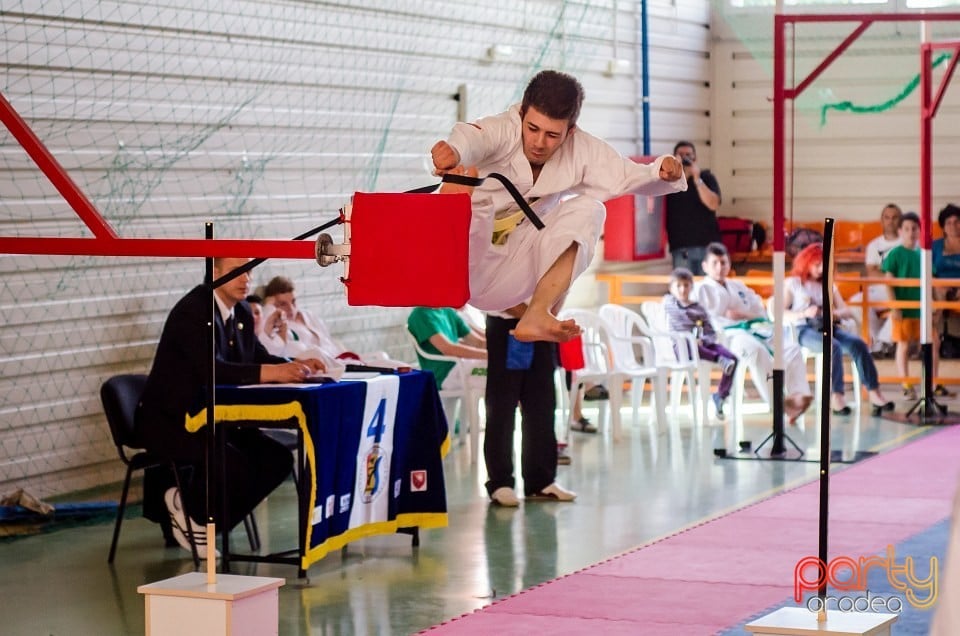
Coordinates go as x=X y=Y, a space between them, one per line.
x=735 y=308
x=289 y=331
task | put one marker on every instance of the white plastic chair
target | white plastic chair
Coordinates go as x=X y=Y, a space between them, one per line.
x=677 y=352
x=464 y=400
x=474 y=318
x=597 y=367
x=627 y=329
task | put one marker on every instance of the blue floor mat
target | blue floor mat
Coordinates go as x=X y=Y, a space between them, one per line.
x=17 y=521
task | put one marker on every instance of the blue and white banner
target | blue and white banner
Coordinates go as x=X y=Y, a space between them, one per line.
x=372 y=492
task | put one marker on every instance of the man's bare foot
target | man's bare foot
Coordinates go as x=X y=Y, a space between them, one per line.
x=796 y=405
x=456 y=188
x=542 y=326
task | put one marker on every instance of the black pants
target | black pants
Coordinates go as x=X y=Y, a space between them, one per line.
x=534 y=391
x=255 y=466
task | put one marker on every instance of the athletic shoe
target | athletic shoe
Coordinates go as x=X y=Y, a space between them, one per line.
x=583 y=425
x=718 y=403
x=553 y=492
x=942 y=391
x=909 y=393
x=505 y=496
x=178 y=525
x=598 y=392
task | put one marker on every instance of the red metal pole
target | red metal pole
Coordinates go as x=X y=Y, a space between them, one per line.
x=54 y=171
x=926 y=131
x=159 y=247
x=779 y=65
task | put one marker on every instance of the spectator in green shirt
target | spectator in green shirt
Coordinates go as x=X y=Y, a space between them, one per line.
x=903 y=261
x=442 y=331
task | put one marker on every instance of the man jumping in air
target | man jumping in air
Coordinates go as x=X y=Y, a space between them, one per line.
x=565 y=174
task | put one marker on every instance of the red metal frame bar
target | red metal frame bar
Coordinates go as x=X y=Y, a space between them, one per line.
x=929 y=105
x=781 y=93
x=106 y=242
x=827 y=61
x=278 y=248
x=948 y=74
x=54 y=171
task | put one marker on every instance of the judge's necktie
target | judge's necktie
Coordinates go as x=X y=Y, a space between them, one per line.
x=230 y=330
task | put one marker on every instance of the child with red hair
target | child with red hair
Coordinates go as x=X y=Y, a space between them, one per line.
x=803 y=298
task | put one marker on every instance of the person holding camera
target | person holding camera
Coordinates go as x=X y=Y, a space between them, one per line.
x=692 y=214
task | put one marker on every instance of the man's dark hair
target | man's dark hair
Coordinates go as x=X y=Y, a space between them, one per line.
x=946 y=213
x=555 y=94
x=684 y=144
x=253 y=298
x=909 y=216
x=278 y=285
x=681 y=273
x=717 y=249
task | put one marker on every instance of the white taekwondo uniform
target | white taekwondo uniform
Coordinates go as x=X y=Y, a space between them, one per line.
x=568 y=196
x=717 y=298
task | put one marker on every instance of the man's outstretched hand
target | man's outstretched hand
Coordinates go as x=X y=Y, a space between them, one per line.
x=444 y=158
x=671 y=169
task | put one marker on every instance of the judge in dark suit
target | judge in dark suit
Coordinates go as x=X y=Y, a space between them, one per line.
x=176 y=388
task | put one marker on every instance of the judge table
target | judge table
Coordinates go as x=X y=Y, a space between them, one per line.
x=370 y=451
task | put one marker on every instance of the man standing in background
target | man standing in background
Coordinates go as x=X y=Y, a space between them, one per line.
x=692 y=214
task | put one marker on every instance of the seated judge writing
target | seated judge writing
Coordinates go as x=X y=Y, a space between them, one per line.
x=287 y=330
x=176 y=389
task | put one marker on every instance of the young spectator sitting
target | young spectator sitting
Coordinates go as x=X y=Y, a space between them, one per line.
x=878 y=318
x=687 y=315
x=945 y=253
x=903 y=261
x=803 y=298
x=731 y=305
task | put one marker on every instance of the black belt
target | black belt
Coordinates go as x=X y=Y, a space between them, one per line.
x=461 y=179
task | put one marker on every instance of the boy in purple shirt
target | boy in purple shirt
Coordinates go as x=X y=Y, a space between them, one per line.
x=686 y=315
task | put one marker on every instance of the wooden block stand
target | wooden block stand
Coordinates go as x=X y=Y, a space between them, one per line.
x=233 y=606
x=799 y=621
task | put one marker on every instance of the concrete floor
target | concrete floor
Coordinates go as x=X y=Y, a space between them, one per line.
x=630 y=492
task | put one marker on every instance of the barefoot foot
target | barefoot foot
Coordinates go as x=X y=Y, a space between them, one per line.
x=536 y=326
x=795 y=405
